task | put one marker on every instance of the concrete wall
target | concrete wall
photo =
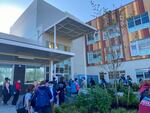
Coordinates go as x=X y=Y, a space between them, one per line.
x=47 y=15
x=25 y=26
x=79 y=61
x=128 y=66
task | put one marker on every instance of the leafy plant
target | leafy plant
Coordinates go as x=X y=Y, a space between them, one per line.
x=129 y=100
x=97 y=99
x=122 y=110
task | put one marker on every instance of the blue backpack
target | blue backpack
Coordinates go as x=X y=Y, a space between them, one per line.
x=43 y=97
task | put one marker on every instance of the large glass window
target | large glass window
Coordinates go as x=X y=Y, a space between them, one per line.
x=111 y=32
x=6 y=71
x=33 y=73
x=140 y=47
x=94 y=57
x=138 y=20
x=93 y=37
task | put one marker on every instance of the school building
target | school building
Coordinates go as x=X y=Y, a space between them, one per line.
x=42 y=44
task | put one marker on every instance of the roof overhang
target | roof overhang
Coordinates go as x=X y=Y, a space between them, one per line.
x=71 y=28
x=23 y=52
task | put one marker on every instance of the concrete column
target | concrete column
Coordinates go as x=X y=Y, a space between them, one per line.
x=85 y=66
x=72 y=69
x=55 y=45
x=51 y=68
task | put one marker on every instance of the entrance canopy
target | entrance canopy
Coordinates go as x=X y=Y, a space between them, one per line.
x=71 y=28
x=21 y=50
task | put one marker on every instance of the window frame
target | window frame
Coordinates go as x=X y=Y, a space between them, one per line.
x=33 y=66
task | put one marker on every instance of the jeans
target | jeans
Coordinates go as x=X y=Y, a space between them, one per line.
x=15 y=99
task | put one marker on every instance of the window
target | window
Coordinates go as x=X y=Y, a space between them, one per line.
x=6 y=71
x=113 y=52
x=94 y=57
x=130 y=22
x=33 y=73
x=93 y=37
x=116 y=75
x=64 y=67
x=138 y=20
x=145 y=18
x=111 y=32
x=140 y=47
x=142 y=74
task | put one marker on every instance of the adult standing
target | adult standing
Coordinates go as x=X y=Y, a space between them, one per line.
x=6 y=90
x=77 y=85
x=83 y=83
x=17 y=92
x=92 y=82
x=61 y=90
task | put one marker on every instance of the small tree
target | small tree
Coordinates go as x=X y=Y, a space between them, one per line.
x=114 y=52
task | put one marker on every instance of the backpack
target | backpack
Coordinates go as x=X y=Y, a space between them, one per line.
x=43 y=97
x=33 y=100
x=77 y=87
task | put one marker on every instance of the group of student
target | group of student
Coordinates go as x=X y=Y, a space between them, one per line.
x=42 y=97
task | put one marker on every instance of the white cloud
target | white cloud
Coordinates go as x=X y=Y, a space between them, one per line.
x=8 y=15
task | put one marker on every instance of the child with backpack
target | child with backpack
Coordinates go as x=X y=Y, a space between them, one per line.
x=42 y=98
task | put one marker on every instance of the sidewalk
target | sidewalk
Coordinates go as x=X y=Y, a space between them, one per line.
x=7 y=108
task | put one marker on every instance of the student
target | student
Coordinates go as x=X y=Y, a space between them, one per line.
x=43 y=97
x=27 y=99
x=77 y=85
x=17 y=92
x=68 y=90
x=92 y=82
x=83 y=83
x=61 y=90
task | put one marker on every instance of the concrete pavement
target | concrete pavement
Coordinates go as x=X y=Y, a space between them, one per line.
x=7 y=109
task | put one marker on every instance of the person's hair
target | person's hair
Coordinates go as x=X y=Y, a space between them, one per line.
x=50 y=82
x=30 y=88
x=62 y=79
x=75 y=79
x=46 y=81
x=43 y=82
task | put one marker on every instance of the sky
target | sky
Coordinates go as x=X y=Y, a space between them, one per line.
x=10 y=10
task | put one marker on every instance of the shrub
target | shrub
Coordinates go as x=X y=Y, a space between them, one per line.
x=133 y=100
x=70 y=108
x=122 y=110
x=119 y=110
x=135 y=87
x=96 y=100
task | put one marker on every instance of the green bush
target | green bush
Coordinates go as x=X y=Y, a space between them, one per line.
x=135 y=87
x=119 y=110
x=97 y=99
x=70 y=108
x=122 y=110
x=132 y=102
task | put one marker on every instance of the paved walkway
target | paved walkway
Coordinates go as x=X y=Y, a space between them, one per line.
x=7 y=109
